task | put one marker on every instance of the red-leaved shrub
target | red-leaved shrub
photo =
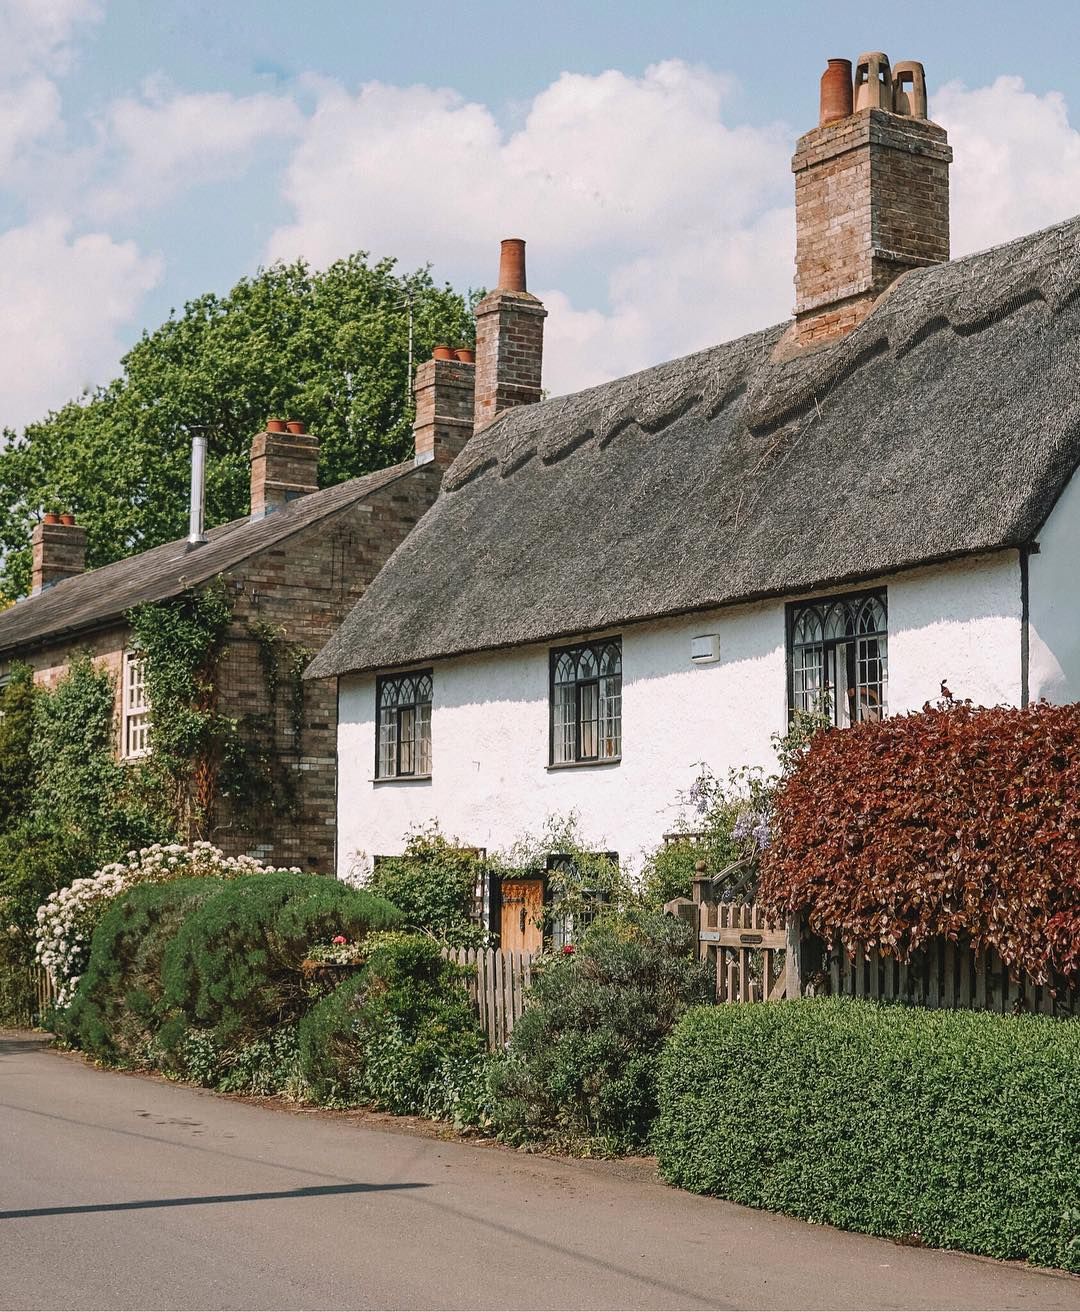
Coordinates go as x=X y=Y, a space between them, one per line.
x=952 y=822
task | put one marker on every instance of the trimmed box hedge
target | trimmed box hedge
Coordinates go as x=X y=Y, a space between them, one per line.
x=954 y=1129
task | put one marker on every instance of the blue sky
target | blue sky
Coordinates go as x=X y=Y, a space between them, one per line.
x=154 y=149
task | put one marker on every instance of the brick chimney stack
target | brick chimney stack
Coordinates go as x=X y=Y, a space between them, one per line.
x=445 y=389
x=59 y=551
x=284 y=466
x=871 y=193
x=509 y=339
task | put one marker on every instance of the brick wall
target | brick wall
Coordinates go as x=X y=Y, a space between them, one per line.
x=58 y=552
x=283 y=465
x=871 y=201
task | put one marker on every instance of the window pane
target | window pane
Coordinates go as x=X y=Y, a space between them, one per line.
x=589 y=699
x=562 y=738
x=387 y=743
x=611 y=716
x=423 y=714
x=407 y=740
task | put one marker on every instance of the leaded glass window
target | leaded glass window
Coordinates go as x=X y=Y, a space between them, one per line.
x=404 y=732
x=839 y=657
x=586 y=703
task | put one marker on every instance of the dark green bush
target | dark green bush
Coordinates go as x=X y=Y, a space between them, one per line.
x=401 y=1036
x=118 y=1007
x=433 y=884
x=959 y=1129
x=264 y=1066
x=234 y=965
x=581 y=1065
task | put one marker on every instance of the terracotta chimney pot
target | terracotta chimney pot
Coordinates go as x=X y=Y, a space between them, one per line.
x=50 y=517
x=837 y=96
x=295 y=426
x=442 y=353
x=68 y=519
x=275 y=425
x=466 y=354
x=512 y=265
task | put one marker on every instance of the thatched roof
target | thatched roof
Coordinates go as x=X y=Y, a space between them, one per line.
x=946 y=424
x=106 y=594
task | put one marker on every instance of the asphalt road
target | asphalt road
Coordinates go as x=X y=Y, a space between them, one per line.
x=118 y=1191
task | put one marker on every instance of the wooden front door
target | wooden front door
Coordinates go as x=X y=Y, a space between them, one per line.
x=521 y=928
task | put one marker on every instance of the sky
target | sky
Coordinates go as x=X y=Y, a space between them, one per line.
x=152 y=150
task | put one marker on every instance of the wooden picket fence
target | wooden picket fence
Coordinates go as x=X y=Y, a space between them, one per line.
x=945 y=975
x=496 y=986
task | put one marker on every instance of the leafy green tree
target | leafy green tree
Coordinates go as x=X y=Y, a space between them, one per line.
x=328 y=347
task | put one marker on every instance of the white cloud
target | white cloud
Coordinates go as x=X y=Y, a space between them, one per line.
x=639 y=183
x=37 y=34
x=165 y=143
x=1016 y=160
x=67 y=296
x=29 y=113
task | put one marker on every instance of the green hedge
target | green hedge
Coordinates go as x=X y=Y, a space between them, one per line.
x=959 y=1129
x=233 y=966
x=117 y=1008
x=402 y=1036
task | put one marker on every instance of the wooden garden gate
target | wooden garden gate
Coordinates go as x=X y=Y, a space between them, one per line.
x=755 y=954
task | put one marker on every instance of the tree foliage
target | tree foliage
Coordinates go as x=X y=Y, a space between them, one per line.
x=953 y=822
x=330 y=348
x=16 y=737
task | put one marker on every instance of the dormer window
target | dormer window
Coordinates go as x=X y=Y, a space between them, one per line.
x=404 y=740
x=838 y=649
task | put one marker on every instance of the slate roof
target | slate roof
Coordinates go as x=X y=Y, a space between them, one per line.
x=105 y=594
x=946 y=424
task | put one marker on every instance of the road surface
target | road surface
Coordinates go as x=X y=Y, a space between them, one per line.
x=120 y=1191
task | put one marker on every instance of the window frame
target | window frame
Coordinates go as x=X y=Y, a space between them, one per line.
x=823 y=604
x=129 y=713
x=596 y=646
x=414 y=706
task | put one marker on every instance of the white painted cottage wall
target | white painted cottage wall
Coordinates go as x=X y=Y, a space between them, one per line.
x=1054 y=605
x=490 y=717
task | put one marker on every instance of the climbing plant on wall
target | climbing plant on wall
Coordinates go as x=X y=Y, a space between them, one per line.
x=217 y=768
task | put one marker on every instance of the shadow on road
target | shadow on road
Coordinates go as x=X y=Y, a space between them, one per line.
x=312 y=1191
x=12 y=1045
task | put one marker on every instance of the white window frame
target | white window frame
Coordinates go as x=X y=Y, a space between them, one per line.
x=135 y=709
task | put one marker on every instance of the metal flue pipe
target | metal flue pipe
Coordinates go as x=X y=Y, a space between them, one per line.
x=197 y=520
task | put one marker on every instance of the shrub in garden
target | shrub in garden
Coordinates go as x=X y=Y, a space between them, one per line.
x=234 y=966
x=433 y=883
x=117 y=1007
x=66 y=920
x=957 y=1129
x=401 y=1036
x=581 y=1064
x=954 y=822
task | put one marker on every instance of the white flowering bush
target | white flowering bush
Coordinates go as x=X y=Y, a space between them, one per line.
x=65 y=923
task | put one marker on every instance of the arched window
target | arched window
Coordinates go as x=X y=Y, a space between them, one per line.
x=839 y=657
x=404 y=734
x=586 y=703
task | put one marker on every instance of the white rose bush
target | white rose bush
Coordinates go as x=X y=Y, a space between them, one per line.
x=65 y=923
